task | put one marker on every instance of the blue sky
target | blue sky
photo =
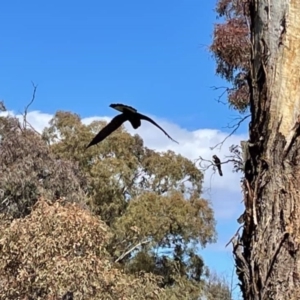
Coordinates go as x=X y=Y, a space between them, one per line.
x=152 y=55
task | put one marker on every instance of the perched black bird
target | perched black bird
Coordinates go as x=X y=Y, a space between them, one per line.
x=217 y=162
x=128 y=113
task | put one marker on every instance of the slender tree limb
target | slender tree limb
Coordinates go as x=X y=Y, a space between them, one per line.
x=132 y=249
x=234 y=120
x=2 y=106
x=226 y=89
x=25 y=121
x=28 y=105
x=235 y=235
x=211 y=163
x=127 y=187
x=235 y=128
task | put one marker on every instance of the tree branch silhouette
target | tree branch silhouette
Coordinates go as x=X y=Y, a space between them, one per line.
x=25 y=121
x=226 y=89
x=235 y=128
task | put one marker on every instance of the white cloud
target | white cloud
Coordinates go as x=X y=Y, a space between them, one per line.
x=224 y=192
x=192 y=144
x=36 y=118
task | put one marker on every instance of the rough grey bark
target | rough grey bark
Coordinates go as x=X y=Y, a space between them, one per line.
x=267 y=254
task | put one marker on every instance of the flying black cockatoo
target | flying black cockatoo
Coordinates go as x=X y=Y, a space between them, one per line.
x=128 y=113
x=217 y=162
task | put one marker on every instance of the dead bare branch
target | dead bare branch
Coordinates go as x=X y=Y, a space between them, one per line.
x=2 y=106
x=226 y=89
x=211 y=163
x=234 y=120
x=235 y=235
x=132 y=249
x=28 y=105
x=206 y=167
x=236 y=127
x=25 y=121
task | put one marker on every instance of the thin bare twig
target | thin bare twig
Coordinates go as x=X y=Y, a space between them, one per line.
x=2 y=106
x=226 y=89
x=25 y=121
x=206 y=167
x=220 y=87
x=234 y=119
x=28 y=105
x=236 y=127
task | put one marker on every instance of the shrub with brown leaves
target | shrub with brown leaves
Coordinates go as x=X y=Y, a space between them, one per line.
x=59 y=248
x=28 y=169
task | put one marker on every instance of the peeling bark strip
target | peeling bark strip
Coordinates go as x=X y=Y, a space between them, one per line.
x=285 y=102
x=269 y=262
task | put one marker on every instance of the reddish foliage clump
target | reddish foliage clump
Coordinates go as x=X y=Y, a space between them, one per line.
x=231 y=47
x=232 y=50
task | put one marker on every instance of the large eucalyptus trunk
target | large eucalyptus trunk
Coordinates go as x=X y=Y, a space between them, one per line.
x=267 y=254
